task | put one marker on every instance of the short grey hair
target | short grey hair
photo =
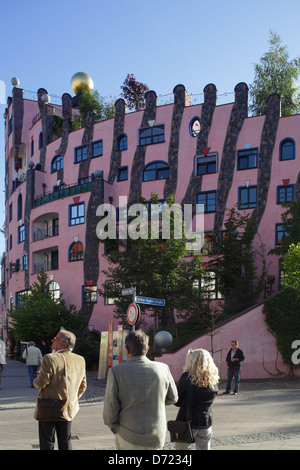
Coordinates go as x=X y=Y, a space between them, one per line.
x=69 y=338
x=137 y=343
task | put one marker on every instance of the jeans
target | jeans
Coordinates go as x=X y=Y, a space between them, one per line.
x=202 y=440
x=236 y=373
x=32 y=370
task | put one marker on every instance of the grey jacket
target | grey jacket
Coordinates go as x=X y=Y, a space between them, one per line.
x=136 y=394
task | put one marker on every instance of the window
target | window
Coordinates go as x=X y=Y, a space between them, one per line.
x=285 y=193
x=97 y=149
x=24 y=262
x=208 y=199
x=21 y=233
x=10 y=212
x=76 y=251
x=247 y=159
x=21 y=296
x=209 y=286
x=122 y=142
x=32 y=148
x=287 y=150
x=40 y=140
x=77 y=214
x=19 y=207
x=195 y=126
x=280 y=232
x=156 y=171
x=122 y=173
x=80 y=154
x=206 y=165
x=247 y=197
x=57 y=163
x=152 y=135
x=112 y=291
x=89 y=294
x=54 y=290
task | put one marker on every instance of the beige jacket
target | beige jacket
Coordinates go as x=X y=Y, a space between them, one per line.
x=52 y=382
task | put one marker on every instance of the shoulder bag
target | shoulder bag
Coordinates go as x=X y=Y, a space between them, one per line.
x=181 y=431
x=49 y=409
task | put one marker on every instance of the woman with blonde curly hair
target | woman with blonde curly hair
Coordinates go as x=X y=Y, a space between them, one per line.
x=198 y=385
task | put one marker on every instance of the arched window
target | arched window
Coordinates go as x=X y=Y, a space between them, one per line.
x=57 y=163
x=156 y=171
x=19 y=207
x=122 y=142
x=40 y=139
x=54 y=290
x=287 y=149
x=76 y=251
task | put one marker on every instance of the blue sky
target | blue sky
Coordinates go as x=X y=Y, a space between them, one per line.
x=162 y=42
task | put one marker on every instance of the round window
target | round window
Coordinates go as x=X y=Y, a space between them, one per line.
x=195 y=127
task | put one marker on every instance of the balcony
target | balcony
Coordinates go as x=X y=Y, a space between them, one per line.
x=45 y=261
x=46 y=226
x=62 y=192
x=41 y=234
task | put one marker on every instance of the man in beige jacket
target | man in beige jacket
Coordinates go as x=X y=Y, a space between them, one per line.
x=52 y=384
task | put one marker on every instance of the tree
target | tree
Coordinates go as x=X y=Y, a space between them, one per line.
x=41 y=317
x=133 y=92
x=156 y=268
x=275 y=74
x=103 y=107
x=290 y=228
x=283 y=320
x=233 y=261
x=291 y=266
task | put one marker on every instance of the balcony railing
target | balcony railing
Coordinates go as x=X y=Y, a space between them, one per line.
x=61 y=193
x=41 y=234
x=46 y=266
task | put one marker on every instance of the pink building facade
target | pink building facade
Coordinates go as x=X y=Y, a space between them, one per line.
x=207 y=153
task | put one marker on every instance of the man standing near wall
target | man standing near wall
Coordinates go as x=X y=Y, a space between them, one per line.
x=234 y=358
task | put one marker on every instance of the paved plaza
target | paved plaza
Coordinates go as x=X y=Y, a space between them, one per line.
x=264 y=416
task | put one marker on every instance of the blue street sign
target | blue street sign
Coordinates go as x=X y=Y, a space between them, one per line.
x=150 y=301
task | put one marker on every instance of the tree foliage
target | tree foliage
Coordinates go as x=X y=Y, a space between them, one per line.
x=275 y=73
x=133 y=92
x=40 y=318
x=103 y=107
x=291 y=228
x=234 y=262
x=283 y=320
x=157 y=269
x=291 y=266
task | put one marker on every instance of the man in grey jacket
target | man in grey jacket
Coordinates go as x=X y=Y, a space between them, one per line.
x=136 y=394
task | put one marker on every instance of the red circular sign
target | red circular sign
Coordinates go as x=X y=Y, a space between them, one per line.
x=132 y=314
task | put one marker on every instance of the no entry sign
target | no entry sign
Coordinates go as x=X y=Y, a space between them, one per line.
x=133 y=313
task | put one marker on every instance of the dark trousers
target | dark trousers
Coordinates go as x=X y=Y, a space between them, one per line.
x=47 y=431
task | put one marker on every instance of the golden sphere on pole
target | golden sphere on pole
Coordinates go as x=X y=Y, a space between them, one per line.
x=81 y=82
